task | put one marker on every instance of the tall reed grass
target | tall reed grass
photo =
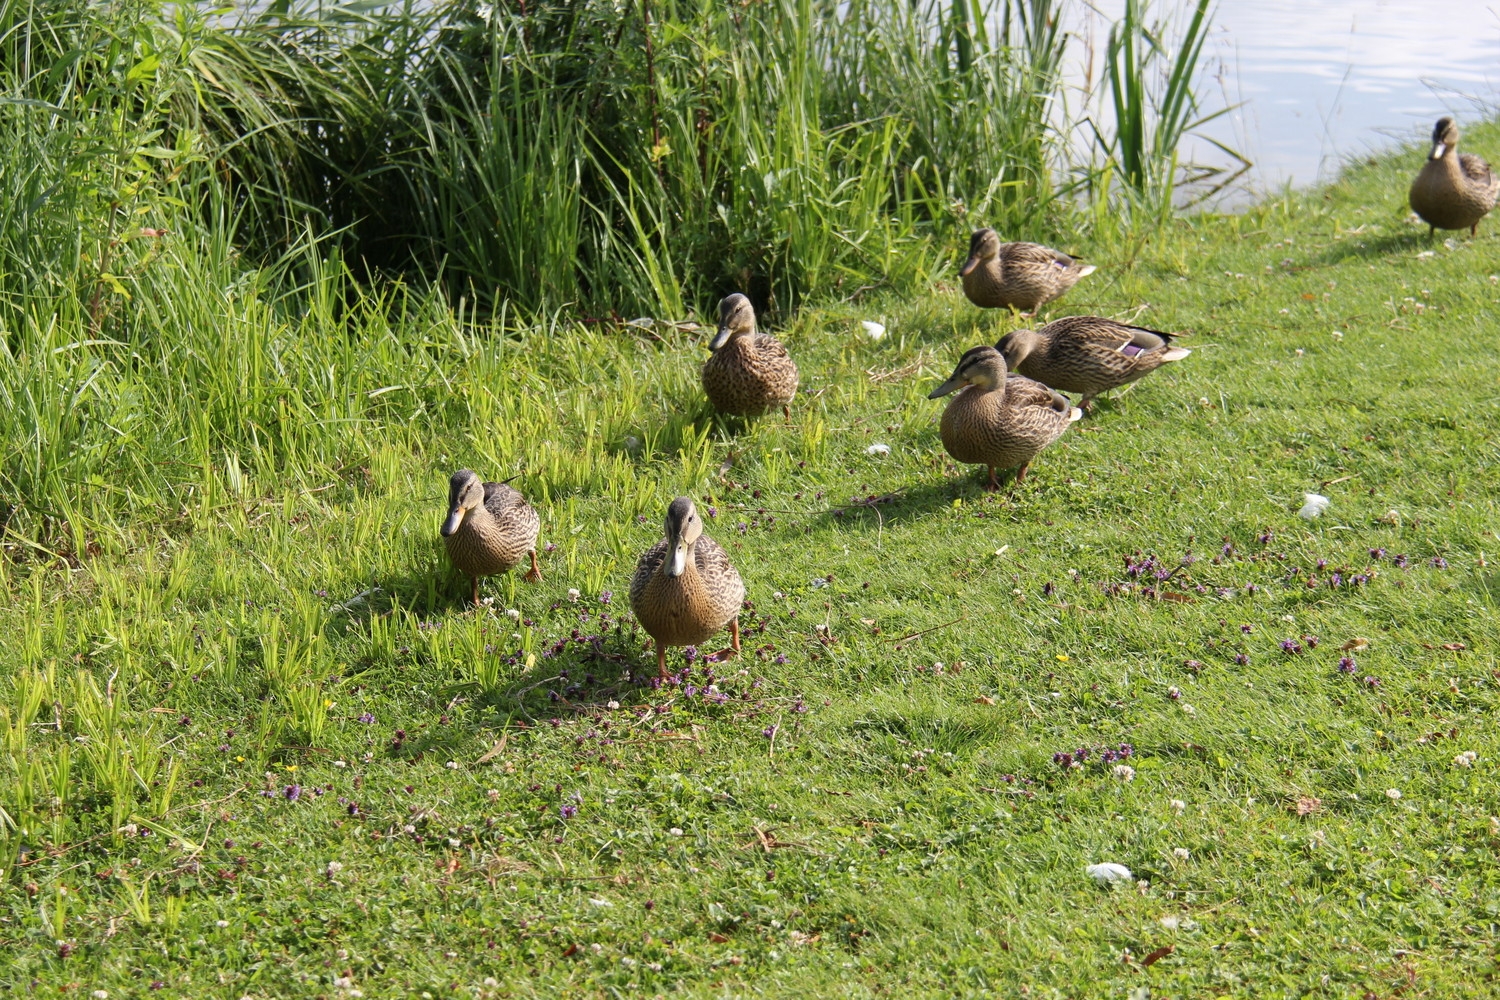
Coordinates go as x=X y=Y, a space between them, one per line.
x=236 y=245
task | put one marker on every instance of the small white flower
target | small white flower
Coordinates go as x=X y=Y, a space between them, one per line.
x=408 y=828
x=818 y=583
x=1174 y=692
x=603 y=903
x=1299 y=352
x=1108 y=872
x=455 y=842
x=1177 y=805
x=573 y=594
x=1124 y=772
x=676 y=831
x=452 y=765
x=656 y=966
x=221 y=924
x=491 y=981
x=1189 y=709
x=1393 y=794
x=612 y=705
x=628 y=962
x=1313 y=504
x=878 y=449
x=1338 y=335
x=512 y=613
x=333 y=868
x=1203 y=401
x=342 y=982
x=1180 y=853
x=875 y=330
x=340 y=763
x=356 y=993
x=777 y=595
x=493 y=794
x=1465 y=759
x=488 y=602
x=596 y=948
x=100 y=995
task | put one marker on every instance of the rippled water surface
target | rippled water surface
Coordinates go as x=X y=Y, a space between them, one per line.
x=1321 y=81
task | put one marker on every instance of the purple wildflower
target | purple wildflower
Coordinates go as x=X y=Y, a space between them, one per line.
x=367 y=719
x=293 y=793
x=1438 y=562
x=1241 y=659
x=1377 y=553
x=770 y=732
x=567 y=811
x=1291 y=647
x=1400 y=561
x=1247 y=629
x=1372 y=682
x=606 y=596
x=1346 y=664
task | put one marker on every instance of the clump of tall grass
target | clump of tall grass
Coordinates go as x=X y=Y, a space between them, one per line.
x=1150 y=79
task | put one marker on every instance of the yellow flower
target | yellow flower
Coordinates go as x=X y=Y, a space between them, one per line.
x=291 y=767
x=240 y=759
x=1062 y=658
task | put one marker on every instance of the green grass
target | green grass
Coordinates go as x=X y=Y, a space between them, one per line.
x=226 y=554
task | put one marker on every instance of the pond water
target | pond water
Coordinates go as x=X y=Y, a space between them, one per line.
x=1318 y=82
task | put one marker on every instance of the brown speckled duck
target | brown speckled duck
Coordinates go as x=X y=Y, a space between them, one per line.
x=1019 y=276
x=999 y=420
x=489 y=529
x=685 y=589
x=1452 y=190
x=1088 y=354
x=748 y=372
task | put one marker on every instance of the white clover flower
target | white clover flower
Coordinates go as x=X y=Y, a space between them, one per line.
x=1465 y=759
x=875 y=330
x=676 y=831
x=340 y=763
x=333 y=868
x=1180 y=853
x=221 y=924
x=512 y=613
x=452 y=765
x=1177 y=805
x=1124 y=772
x=573 y=594
x=1393 y=794
x=455 y=842
x=878 y=449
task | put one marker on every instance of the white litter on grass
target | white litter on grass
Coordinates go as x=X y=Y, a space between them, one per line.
x=1108 y=872
x=875 y=330
x=878 y=449
x=1313 y=504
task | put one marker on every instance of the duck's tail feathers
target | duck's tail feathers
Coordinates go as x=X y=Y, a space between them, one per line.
x=1086 y=270
x=1075 y=416
x=1176 y=354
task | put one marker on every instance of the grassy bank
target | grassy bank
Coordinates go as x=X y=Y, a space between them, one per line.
x=256 y=745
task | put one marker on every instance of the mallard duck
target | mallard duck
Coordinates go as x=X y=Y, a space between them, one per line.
x=748 y=372
x=685 y=589
x=1087 y=354
x=1019 y=276
x=999 y=420
x=1452 y=190
x=489 y=528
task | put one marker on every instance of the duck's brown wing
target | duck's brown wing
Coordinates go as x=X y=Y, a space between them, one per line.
x=1476 y=169
x=500 y=499
x=719 y=576
x=1021 y=392
x=1034 y=255
x=645 y=568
